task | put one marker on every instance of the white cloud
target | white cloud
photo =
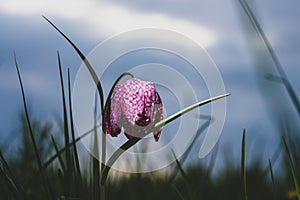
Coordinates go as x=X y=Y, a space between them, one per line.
x=108 y=19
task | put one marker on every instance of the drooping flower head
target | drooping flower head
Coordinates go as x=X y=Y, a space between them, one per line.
x=136 y=106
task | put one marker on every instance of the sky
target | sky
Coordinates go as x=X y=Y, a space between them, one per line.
x=220 y=27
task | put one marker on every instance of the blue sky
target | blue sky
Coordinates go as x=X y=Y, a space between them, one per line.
x=221 y=27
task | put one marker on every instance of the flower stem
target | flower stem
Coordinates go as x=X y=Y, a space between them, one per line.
x=129 y=143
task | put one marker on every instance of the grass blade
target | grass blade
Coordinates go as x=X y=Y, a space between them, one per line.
x=13 y=180
x=62 y=150
x=73 y=132
x=292 y=168
x=283 y=76
x=274 y=158
x=103 y=156
x=272 y=178
x=62 y=164
x=243 y=159
x=68 y=171
x=187 y=109
x=38 y=159
x=86 y=62
x=95 y=161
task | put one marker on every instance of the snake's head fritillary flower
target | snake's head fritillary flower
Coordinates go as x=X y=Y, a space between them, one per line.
x=136 y=106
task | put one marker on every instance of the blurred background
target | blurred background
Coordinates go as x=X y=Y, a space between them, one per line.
x=260 y=70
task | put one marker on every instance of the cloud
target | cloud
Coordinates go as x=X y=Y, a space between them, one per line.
x=109 y=19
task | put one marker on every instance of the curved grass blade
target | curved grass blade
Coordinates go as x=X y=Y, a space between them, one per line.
x=103 y=156
x=68 y=175
x=164 y=122
x=73 y=132
x=86 y=62
x=187 y=109
x=292 y=168
x=38 y=159
x=243 y=159
x=283 y=76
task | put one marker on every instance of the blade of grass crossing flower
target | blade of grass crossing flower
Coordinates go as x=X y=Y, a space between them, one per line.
x=187 y=109
x=77 y=166
x=86 y=62
x=243 y=159
x=38 y=159
x=292 y=168
x=61 y=162
x=68 y=171
x=260 y=32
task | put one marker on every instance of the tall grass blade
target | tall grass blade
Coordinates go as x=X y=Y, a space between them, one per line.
x=243 y=159
x=38 y=159
x=77 y=166
x=61 y=161
x=96 y=164
x=260 y=32
x=164 y=122
x=86 y=62
x=292 y=168
x=68 y=175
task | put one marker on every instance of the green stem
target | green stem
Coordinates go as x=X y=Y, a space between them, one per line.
x=133 y=141
x=187 y=109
